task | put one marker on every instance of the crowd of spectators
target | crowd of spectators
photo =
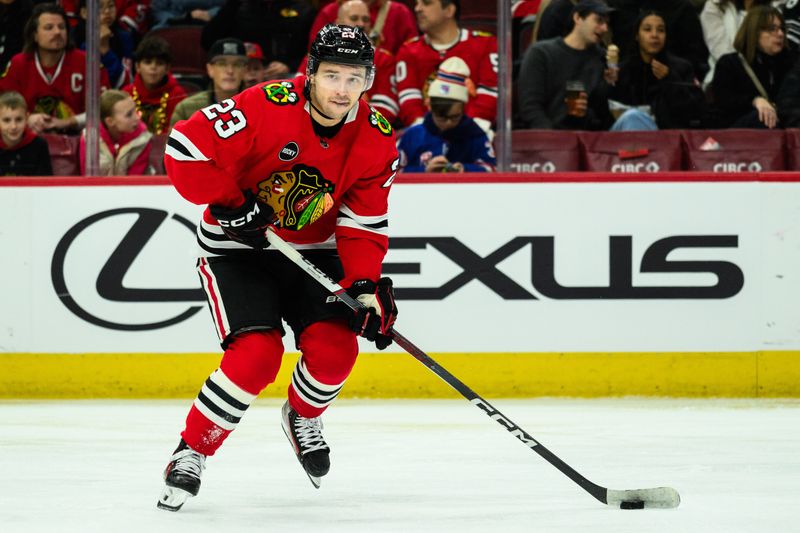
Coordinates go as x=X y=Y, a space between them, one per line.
x=578 y=65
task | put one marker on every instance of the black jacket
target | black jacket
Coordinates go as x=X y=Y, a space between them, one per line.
x=12 y=22
x=788 y=99
x=733 y=89
x=29 y=159
x=684 y=32
x=676 y=101
x=280 y=27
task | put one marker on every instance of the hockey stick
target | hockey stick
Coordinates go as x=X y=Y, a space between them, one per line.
x=656 y=498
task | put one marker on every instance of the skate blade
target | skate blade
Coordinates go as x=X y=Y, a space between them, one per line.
x=173 y=498
x=316 y=481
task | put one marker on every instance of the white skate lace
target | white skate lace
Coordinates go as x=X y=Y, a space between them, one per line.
x=190 y=462
x=309 y=433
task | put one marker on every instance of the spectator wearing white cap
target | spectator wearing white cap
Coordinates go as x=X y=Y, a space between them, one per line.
x=447 y=140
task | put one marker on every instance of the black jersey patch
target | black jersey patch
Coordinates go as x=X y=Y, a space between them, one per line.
x=280 y=93
x=289 y=152
x=376 y=120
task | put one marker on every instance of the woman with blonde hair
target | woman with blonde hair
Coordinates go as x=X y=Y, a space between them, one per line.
x=746 y=82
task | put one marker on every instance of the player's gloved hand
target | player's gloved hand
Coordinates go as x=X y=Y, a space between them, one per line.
x=376 y=319
x=247 y=223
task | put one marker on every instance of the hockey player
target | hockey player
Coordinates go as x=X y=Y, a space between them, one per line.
x=308 y=156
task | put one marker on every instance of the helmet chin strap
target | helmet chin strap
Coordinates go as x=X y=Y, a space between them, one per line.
x=311 y=103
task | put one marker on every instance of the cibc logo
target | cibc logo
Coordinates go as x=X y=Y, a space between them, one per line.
x=730 y=166
x=109 y=286
x=546 y=166
x=650 y=166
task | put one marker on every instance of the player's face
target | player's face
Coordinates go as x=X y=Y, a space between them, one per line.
x=227 y=72
x=124 y=117
x=152 y=71
x=12 y=125
x=51 y=32
x=336 y=88
x=451 y=118
x=355 y=13
x=431 y=13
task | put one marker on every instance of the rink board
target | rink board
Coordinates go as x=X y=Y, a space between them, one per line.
x=575 y=285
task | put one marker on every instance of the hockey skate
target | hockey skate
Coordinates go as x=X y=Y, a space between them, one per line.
x=305 y=435
x=182 y=477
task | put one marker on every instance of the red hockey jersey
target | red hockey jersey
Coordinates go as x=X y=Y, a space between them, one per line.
x=327 y=193
x=61 y=94
x=383 y=93
x=417 y=62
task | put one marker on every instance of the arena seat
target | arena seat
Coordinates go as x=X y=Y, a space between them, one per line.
x=792 y=141
x=734 y=150
x=64 y=153
x=188 y=57
x=545 y=151
x=631 y=151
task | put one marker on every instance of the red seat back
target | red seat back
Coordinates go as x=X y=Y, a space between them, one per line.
x=188 y=56
x=631 y=151
x=64 y=153
x=734 y=150
x=792 y=149
x=545 y=151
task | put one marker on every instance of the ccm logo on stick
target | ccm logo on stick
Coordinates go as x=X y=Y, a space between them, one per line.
x=729 y=277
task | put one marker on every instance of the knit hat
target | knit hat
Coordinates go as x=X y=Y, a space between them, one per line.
x=451 y=80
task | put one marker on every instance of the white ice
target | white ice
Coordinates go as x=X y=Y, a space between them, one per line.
x=408 y=466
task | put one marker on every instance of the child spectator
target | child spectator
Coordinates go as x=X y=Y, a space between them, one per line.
x=49 y=72
x=655 y=78
x=744 y=102
x=442 y=38
x=392 y=22
x=256 y=70
x=124 y=140
x=22 y=153
x=116 y=43
x=154 y=90
x=447 y=140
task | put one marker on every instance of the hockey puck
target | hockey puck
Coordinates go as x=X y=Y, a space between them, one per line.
x=631 y=505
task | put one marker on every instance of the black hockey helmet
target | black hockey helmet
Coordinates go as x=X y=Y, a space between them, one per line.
x=346 y=45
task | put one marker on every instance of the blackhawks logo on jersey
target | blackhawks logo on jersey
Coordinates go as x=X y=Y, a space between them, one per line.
x=376 y=120
x=280 y=93
x=299 y=196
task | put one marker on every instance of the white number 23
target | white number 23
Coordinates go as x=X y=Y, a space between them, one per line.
x=225 y=128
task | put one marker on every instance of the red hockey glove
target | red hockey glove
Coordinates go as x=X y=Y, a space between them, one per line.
x=247 y=223
x=375 y=321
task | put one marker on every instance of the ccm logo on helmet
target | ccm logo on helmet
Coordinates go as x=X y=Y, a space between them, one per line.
x=346 y=50
x=241 y=221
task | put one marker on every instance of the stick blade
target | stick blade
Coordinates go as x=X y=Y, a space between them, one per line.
x=657 y=498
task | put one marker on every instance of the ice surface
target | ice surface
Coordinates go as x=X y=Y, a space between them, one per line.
x=408 y=466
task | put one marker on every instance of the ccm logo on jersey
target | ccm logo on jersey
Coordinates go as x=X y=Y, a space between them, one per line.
x=241 y=221
x=289 y=152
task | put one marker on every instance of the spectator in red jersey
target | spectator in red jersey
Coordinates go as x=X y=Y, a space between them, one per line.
x=154 y=90
x=761 y=53
x=12 y=15
x=22 y=152
x=392 y=22
x=442 y=38
x=50 y=72
x=383 y=94
x=124 y=140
